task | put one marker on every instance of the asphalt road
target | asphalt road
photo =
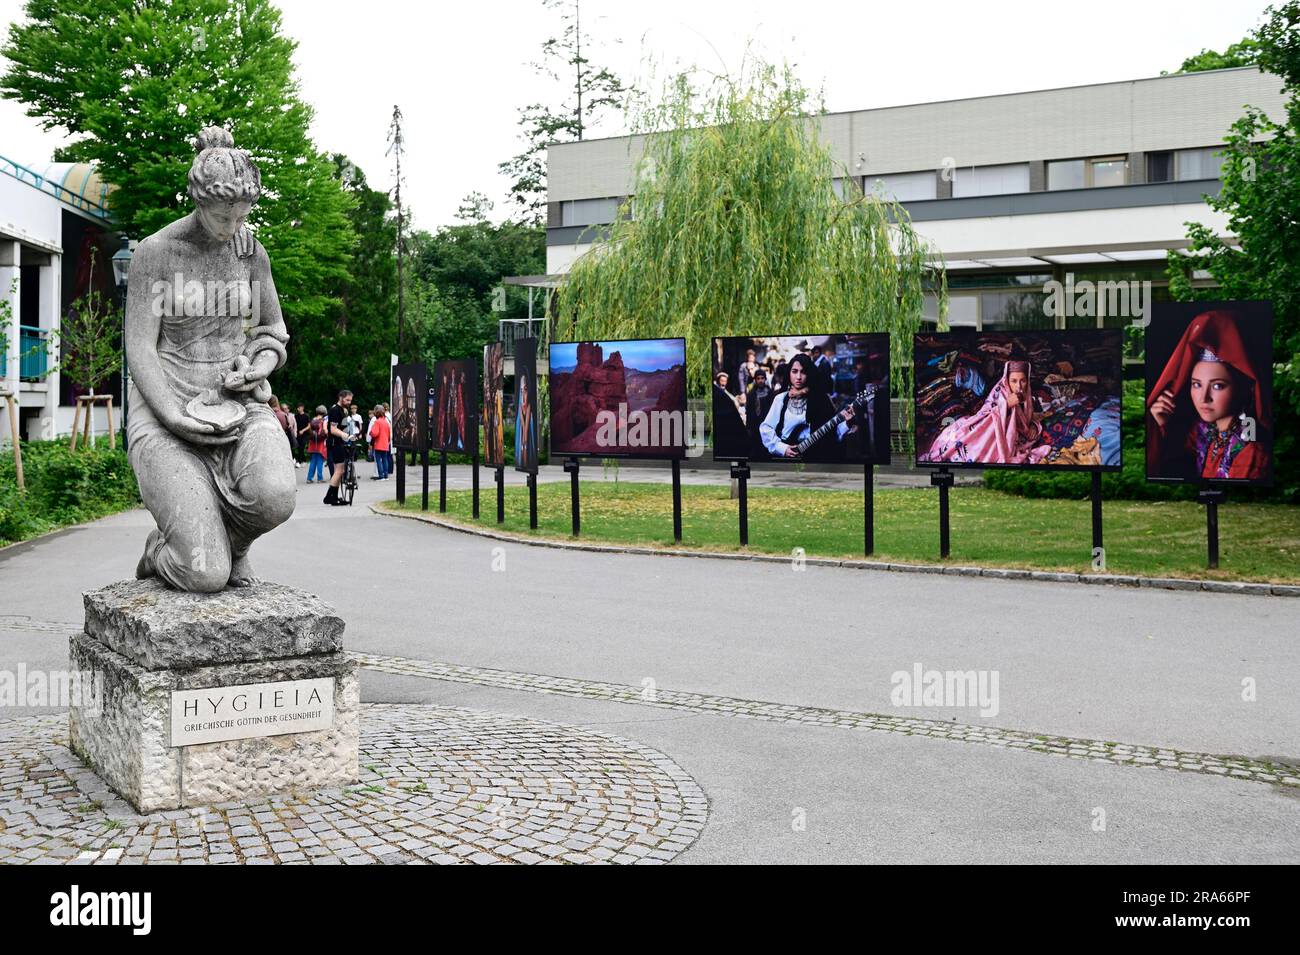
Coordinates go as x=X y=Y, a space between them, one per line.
x=1131 y=666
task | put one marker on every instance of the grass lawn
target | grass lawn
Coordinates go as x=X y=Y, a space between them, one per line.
x=1151 y=538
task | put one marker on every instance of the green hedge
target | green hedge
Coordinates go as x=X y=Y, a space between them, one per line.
x=62 y=488
x=1127 y=484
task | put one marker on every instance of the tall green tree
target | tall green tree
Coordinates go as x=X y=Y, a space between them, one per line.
x=736 y=228
x=1261 y=197
x=132 y=82
x=349 y=345
x=592 y=92
x=458 y=271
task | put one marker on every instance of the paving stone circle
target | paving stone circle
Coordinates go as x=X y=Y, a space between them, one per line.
x=438 y=784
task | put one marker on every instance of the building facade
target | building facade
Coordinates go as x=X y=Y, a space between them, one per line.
x=1088 y=183
x=56 y=244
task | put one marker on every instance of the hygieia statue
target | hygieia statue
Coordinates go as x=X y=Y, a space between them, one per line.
x=203 y=332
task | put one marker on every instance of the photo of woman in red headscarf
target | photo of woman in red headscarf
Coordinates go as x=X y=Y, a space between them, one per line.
x=1208 y=415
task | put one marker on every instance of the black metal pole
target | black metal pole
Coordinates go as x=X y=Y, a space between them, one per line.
x=868 y=509
x=1212 y=498
x=401 y=476
x=1097 y=547
x=677 y=500
x=571 y=466
x=501 y=494
x=126 y=375
x=943 y=479
x=740 y=472
x=475 y=468
x=424 y=479
x=532 y=499
x=442 y=482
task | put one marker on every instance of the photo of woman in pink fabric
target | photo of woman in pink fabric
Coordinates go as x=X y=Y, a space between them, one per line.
x=1001 y=398
x=1005 y=430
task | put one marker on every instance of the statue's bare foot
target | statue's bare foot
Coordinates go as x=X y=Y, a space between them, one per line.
x=241 y=573
x=145 y=568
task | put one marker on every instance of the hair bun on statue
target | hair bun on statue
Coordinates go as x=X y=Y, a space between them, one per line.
x=214 y=137
x=220 y=172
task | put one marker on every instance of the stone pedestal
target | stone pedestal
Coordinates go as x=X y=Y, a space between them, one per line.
x=208 y=698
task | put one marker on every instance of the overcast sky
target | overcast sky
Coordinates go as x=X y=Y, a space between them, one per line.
x=460 y=71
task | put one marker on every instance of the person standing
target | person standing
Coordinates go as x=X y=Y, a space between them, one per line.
x=381 y=440
x=316 y=446
x=338 y=443
x=286 y=423
x=301 y=419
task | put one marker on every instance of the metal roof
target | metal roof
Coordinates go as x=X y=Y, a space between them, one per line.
x=77 y=184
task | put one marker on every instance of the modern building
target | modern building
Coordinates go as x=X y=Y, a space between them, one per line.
x=1014 y=191
x=56 y=243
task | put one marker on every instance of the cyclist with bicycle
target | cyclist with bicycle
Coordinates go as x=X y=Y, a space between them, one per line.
x=338 y=444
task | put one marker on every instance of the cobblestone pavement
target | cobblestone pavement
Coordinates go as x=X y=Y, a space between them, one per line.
x=1239 y=767
x=438 y=784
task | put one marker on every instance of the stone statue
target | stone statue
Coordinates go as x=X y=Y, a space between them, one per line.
x=203 y=332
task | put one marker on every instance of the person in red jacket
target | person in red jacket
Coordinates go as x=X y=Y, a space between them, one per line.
x=380 y=437
x=1207 y=417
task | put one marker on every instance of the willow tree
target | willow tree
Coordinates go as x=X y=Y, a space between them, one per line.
x=737 y=227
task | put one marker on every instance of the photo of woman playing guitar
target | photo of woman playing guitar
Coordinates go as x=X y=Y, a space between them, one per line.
x=827 y=401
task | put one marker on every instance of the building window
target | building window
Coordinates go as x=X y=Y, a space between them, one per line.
x=1199 y=163
x=905 y=186
x=991 y=180
x=1160 y=167
x=1087 y=173
x=963 y=311
x=1065 y=174
x=578 y=212
x=1014 y=310
x=1108 y=172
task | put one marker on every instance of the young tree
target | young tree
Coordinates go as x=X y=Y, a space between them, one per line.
x=1261 y=197
x=90 y=344
x=592 y=93
x=736 y=226
x=134 y=82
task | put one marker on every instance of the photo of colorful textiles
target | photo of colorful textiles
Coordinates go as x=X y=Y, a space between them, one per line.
x=1019 y=399
x=1209 y=392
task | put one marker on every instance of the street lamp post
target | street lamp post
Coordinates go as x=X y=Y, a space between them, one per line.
x=121 y=269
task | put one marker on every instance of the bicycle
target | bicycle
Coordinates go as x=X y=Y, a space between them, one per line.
x=348 y=483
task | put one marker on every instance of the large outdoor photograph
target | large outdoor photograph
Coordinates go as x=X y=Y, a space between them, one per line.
x=494 y=453
x=409 y=396
x=454 y=395
x=1209 y=392
x=619 y=398
x=1019 y=399
x=527 y=425
x=802 y=398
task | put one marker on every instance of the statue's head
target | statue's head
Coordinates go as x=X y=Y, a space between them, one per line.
x=224 y=183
